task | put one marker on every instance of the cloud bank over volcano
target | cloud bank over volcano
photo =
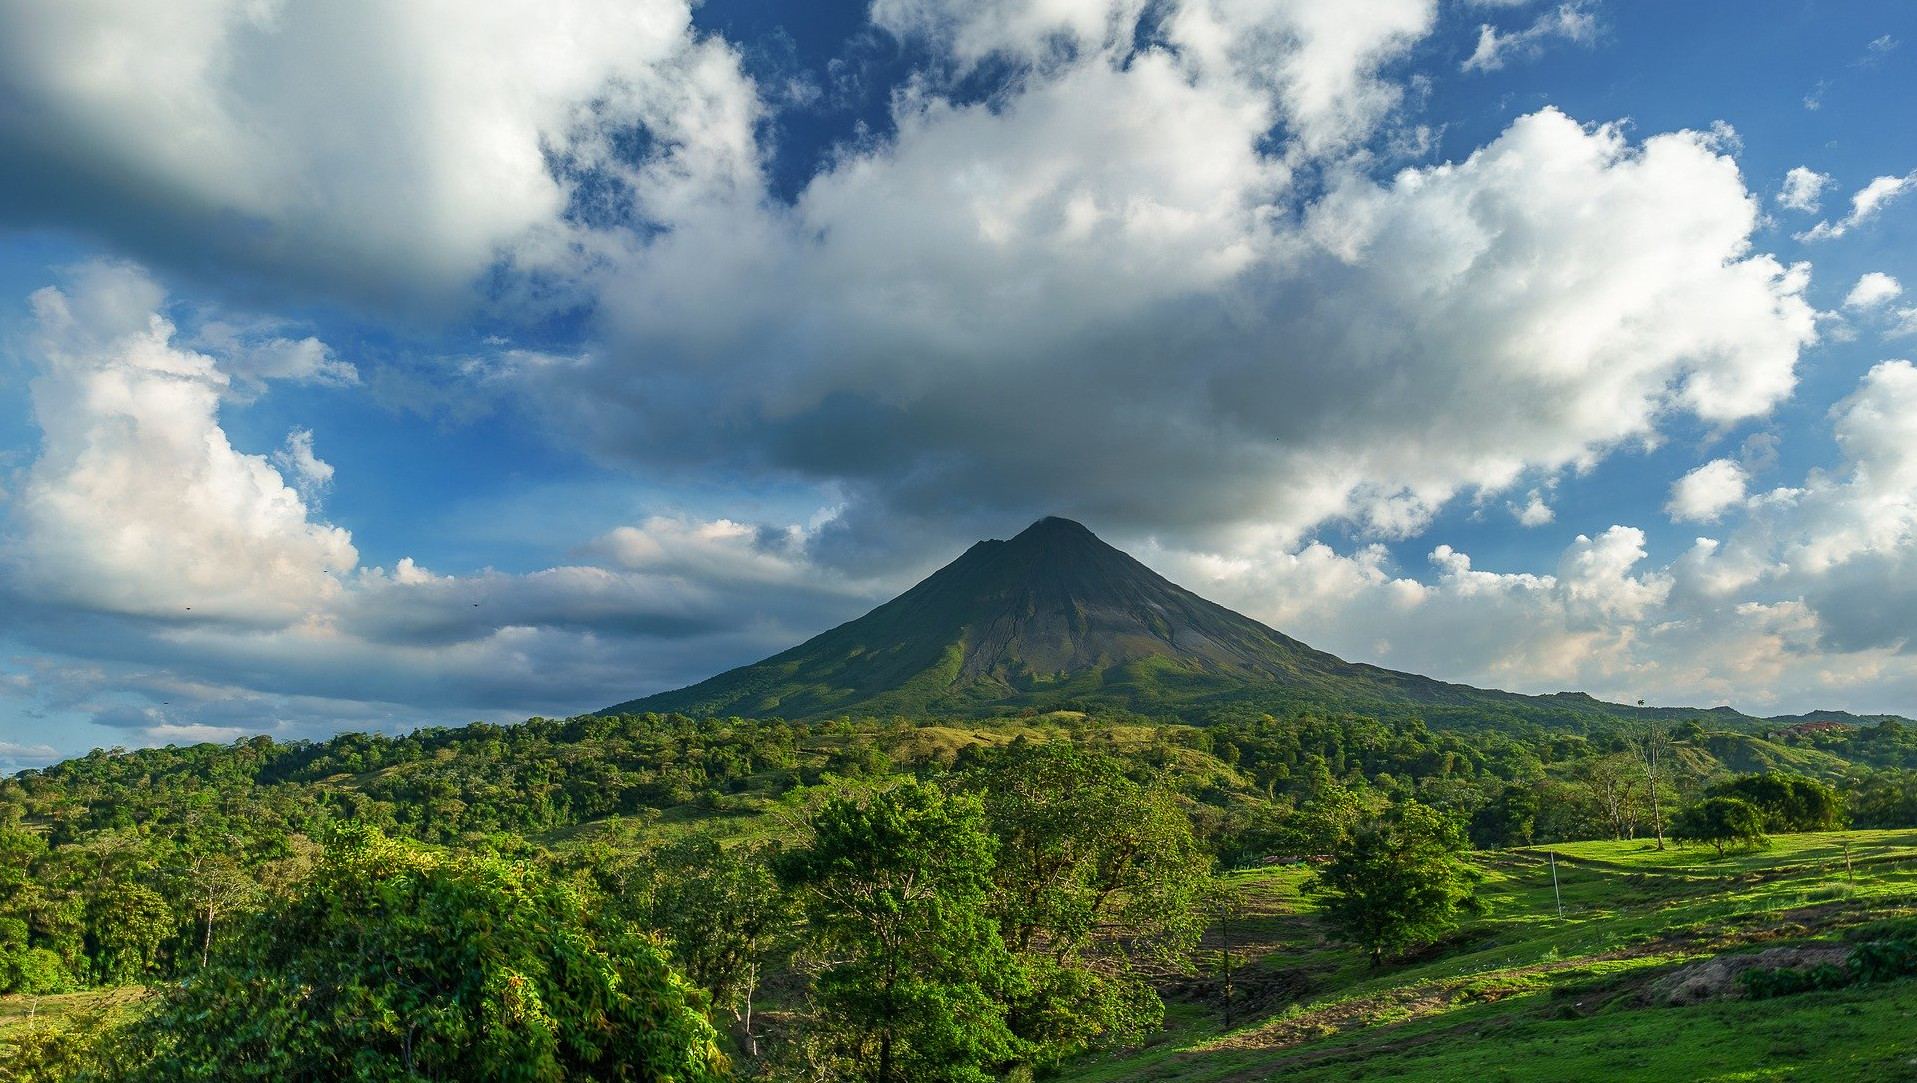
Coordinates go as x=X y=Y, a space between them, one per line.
x=1222 y=278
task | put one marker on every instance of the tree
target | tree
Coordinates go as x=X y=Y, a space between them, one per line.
x=723 y=914
x=1611 y=783
x=127 y=923
x=1884 y=799
x=1395 y=882
x=1652 y=746
x=1787 y=802
x=1509 y=819
x=895 y=889
x=217 y=885
x=391 y=962
x=1096 y=876
x=1721 y=821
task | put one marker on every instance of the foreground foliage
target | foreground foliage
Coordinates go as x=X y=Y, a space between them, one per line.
x=391 y=962
x=895 y=890
x=1090 y=844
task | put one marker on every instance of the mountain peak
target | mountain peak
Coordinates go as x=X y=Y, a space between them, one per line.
x=1055 y=617
x=1055 y=526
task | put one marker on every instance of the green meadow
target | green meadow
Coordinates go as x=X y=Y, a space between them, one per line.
x=1524 y=994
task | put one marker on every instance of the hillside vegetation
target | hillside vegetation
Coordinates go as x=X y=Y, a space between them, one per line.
x=713 y=840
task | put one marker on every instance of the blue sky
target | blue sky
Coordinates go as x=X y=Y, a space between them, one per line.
x=374 y=365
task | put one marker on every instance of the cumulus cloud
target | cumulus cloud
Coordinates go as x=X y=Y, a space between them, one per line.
x=1120 y=222
x=1865 y=205
x=1687 y=633
x=255 y=351
x=1576 y=627
x=1806 y=601
x=1803 y=189
x=223 y=129
x=176 y=587
x=138 y=503
x=311 y=475
x=1842 y=545
x=1106 y=239
x=1572 y=22
x=1873 y=288
x=1705 y=493
x=14 y=756
x=1534 y=512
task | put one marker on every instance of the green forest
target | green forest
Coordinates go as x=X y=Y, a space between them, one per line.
x=659 y=897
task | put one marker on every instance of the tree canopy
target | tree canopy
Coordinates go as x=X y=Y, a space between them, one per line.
x=1786 y=802
x=1395 y=882
x=395 y=962
x=895 y=888
x=1094 y=870
x=1721 y=822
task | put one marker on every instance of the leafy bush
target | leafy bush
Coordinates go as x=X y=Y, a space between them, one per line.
x=1883 y=960
x=1763 y=984
x=1875 y=961
x=1396 y=883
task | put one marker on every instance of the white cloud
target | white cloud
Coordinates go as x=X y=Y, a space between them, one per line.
x=1873 y=288
x=1809 y=601
x=203 y=596
x=1869 y=506
x=311 y=475
x=1872 y=197
x=138 y=503
x=1573 y=22
x=1803 y=189
x=1114 y=206
x=1106 y=237
x=1684 y=634
x=1865 y=204
x=1705 y=493
x=1312 y=65
x=15 y=756
x=1320 y=57
x=253 y=352
x=373 y=147
x=1574 y=628
x=1194 y=338
x=1878 y=48
x=1534 y=512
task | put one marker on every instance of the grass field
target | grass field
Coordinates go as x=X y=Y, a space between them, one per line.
x=17 y=1013
x=1524 y=994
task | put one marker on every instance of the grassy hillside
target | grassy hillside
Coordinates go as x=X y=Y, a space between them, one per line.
x=1630 y=984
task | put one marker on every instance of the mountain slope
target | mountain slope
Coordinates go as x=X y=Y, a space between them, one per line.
x=1057 y=617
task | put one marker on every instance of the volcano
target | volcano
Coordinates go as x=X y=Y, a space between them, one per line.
x=1056 y=618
